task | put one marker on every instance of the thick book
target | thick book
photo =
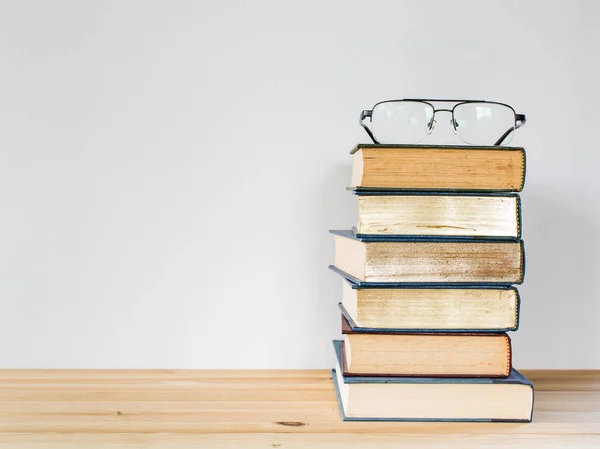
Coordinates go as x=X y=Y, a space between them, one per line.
x=425 y=355
x=399 y=260
x=374 y=398
x=438 y=167
x=476 y=216
x=430 y=309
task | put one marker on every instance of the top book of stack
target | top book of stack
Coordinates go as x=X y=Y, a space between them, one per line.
x=438 y=167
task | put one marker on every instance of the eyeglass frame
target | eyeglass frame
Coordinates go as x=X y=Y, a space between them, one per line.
x=520 y=119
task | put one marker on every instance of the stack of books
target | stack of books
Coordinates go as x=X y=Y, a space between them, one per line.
x=428 y=286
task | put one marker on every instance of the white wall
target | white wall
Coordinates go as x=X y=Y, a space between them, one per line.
x=169 y=169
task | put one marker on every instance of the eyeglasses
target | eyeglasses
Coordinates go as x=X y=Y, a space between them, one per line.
x=411 y=120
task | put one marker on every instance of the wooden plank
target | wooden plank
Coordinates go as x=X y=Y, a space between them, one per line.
x=587 y=380
x=294 y=441
x=259 y=409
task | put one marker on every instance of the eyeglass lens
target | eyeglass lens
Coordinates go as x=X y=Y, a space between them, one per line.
x=483 y=123
x=396 y=121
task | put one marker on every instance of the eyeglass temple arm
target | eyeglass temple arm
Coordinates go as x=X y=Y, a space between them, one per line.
x=363 y=115
x=520 y=121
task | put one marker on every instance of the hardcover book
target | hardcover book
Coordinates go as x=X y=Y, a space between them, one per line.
x=374 y=398
x=464 y=215
x=440 y=355
x=438 y=167
x=398 y=261
x=431 y=308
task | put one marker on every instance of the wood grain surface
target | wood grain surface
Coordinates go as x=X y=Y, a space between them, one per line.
x=260 y=409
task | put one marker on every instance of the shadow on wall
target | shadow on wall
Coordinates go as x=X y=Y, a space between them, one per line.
x=560 y=304
x=338 y=211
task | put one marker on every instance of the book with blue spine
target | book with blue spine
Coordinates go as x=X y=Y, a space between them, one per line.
x=376 y=398
x=467 y=215
x=430 y=308
x=400 y=260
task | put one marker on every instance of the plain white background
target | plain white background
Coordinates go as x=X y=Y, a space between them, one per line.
x=169 y=169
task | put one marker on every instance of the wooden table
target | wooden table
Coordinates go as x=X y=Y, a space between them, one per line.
x=261 y=409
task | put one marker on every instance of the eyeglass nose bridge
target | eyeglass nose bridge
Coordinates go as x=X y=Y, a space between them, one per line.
x=432 y=122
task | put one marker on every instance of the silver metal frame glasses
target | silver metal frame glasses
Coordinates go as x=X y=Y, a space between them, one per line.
x=410 y=120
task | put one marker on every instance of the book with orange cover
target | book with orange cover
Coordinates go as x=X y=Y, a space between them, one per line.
x=438 y=167
x=440 y=355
